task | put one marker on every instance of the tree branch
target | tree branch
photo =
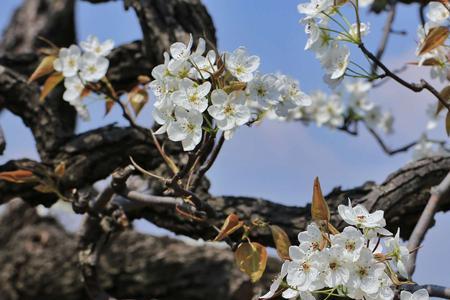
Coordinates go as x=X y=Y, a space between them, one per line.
x=425 y=220
x=415 y=87
x=386 y=148
x=2 y=141
x=38 y=260
x=386 y=33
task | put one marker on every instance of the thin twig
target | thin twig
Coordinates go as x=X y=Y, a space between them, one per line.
x=415 y=87
x=425 y=220
x=383 y=145
x=2 y=141
x=203 y=169
x=386 y=33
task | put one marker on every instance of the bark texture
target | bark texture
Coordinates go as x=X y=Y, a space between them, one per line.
x=38 y=260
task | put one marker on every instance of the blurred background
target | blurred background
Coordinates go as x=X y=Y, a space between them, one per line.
x=278 y=160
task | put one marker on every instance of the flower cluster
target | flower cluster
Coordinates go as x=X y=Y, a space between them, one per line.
x=438 y=17
x=360 y=262
x=327 y=41
x=81 y=67
x=351 y=103
x=198 y=91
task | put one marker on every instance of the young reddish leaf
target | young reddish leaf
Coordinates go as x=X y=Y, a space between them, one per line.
x=230 y=225
x=138 y=97
x=143 y=79
x=319 y=207
x=235 y=86
x=251 y=259
x=60 y=169
x=282 y=241
x=44 y=68
x=110 y=87
x=44 y=189
x=435 y=38
x=332 y=229
x=109 y=103
x=18 y=176
x=51 y=82
x=445 y=94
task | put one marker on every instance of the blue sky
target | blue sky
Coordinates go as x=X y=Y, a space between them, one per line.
x=278 y=161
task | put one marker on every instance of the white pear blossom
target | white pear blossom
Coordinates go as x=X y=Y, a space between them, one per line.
x=421 y=294
x=335 y=60
x=68 y=61
x=385 y=291
x=277 y=282
x=365 y=3
x=203 y=66
x=399 y=253
x=387 y=122
x=187 y=128
x=291 y=293
x=290 y=91
x=351 y=241
x=331 y=113
x=303 y=270
x=365 y=275
x=364 y=29
x=164 y=116
x=93 y=67
x=192 y=95
x=264 y=89
x=433 y=118
x=230 y=110
x=358 y=96
x=313 y=31
x=372 y=117
x=335 y=269
x=437 y=12
x=315 y=7
x=74 y=88
x=241 y=65
x=360 y=217
x=181 y=54
x=312 y=237
x=92 y=44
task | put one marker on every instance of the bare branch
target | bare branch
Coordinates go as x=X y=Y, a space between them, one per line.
x=386 y=33
x=422 y=226
x=2 y=141
x=415 y=87
x=385 y=148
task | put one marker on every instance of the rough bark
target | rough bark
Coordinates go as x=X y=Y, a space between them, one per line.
x=53 y=20
x=50 y=123
x=403 y=195
x=38 y=260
